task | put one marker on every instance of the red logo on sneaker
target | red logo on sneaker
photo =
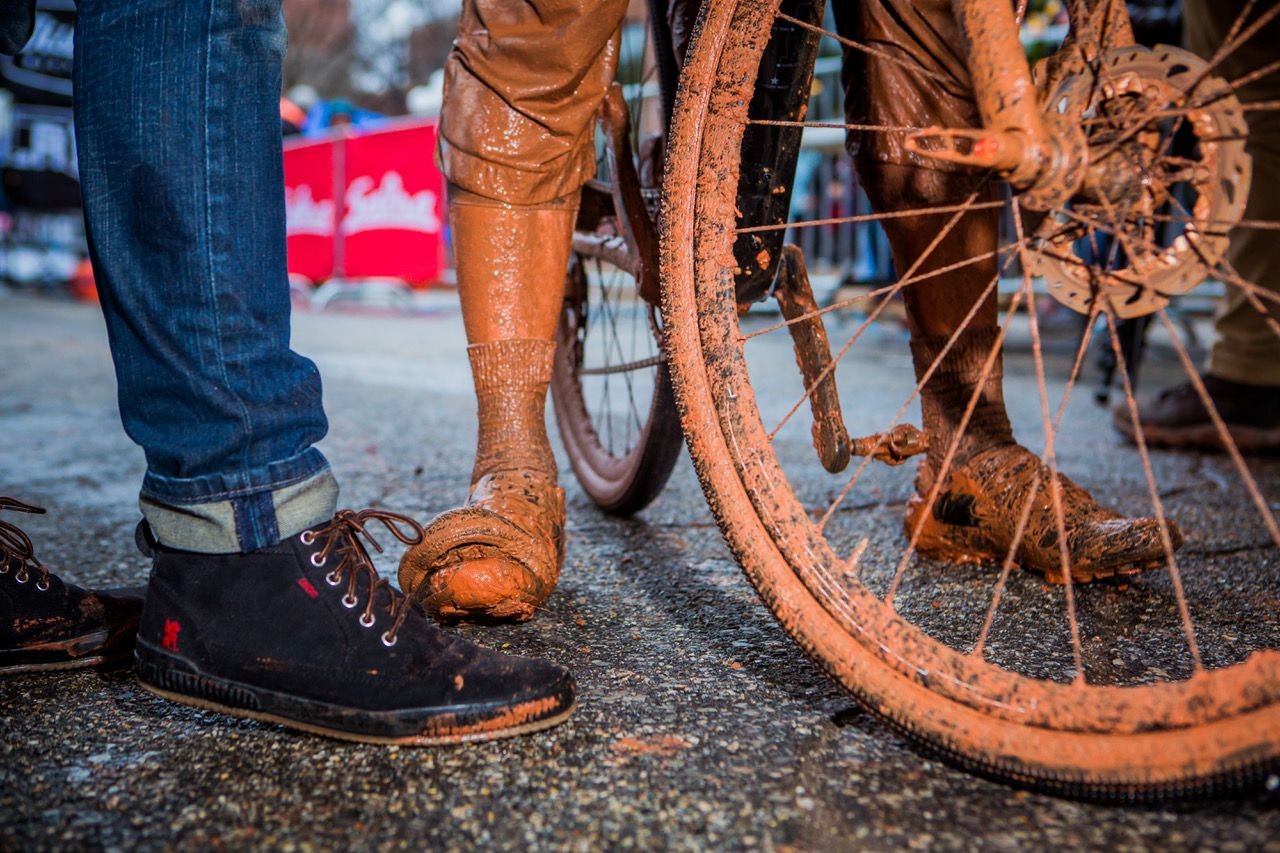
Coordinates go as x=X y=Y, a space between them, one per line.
x=308 y=588
x=171 y=629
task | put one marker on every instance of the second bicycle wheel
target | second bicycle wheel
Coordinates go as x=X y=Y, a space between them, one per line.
x=1171 y=688
x=611 y=389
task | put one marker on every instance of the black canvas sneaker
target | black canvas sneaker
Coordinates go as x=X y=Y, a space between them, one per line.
x=48 y=624
x=307 y=634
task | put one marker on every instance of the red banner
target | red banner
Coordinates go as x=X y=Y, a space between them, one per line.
x=394 y=217
x=392 y=212
x=310 y=213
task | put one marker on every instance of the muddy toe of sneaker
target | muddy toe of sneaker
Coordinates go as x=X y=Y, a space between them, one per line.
x=493 y=679
x=496 y=560
x=1111 y=547
x=482 y=587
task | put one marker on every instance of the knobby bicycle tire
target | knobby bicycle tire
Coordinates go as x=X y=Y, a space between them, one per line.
x=1218 y=730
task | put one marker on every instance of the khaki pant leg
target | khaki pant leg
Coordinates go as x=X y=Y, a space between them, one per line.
x=522 y=86
x=1245 y=348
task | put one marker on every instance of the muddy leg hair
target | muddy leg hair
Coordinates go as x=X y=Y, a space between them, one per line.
x=511 y=378
x=946 y=396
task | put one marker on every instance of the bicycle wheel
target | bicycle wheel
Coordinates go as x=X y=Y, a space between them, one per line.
x=1169 y=689
x=611 y=389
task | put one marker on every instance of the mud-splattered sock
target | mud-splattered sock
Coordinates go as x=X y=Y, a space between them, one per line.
x=946 y=395
x=511 y=379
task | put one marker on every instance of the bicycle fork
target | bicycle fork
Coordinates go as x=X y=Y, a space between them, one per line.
x=1039 y=152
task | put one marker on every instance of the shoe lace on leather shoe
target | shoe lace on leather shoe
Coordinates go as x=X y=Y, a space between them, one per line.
x=16 y=550
x=342 y=538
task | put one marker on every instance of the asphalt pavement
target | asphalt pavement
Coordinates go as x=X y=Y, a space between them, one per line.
x=699 y=726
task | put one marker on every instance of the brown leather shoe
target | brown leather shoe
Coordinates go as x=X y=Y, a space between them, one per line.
x=1177 y=417
x=47 y=624
x=976 y=515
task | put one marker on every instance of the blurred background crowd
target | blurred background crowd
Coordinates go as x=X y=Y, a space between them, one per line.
x=362 y=68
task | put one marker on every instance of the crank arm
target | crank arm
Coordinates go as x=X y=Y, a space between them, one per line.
x=813 y=356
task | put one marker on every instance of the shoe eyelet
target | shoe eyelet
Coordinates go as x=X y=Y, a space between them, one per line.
x=4 y=568
x=332 y=579
x=42 y=585
x=21 y=577
x=307 y=537
x=317 y=560
x=349 y=601
x=367 y=619
x=388 y=641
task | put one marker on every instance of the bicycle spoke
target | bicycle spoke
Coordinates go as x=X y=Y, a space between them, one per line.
x=852 y=482
x=1260 y=106
x=635 y=342
x=872 y=294
x=1224 y=434
x=1250 y=291
x=876 y=217
x=834 y=125
x=864 y=48
x=1256 y=74
x=1183 y=112
x=1245 y=11
x=1166 y=539
x=1241 y=35
x=1050 y=459
x=1236 y=37
x=945 y=468
x=841 y=304
x=1256 y=224
x=1254 y=291
x=884 y=303
x=615 y=346
x=1007 y=567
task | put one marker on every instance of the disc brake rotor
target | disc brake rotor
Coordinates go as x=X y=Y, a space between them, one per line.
x=1167 y=178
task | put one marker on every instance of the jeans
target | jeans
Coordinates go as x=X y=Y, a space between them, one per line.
x=178 y=130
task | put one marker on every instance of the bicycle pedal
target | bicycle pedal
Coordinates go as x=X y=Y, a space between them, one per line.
x=894 y=446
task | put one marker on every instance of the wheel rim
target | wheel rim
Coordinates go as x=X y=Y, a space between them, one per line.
x=609 y=380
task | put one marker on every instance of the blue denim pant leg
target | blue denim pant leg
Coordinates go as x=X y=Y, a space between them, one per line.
x=178 y=129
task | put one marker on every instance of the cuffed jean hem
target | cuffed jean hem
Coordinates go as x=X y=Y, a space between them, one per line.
x=243 y=520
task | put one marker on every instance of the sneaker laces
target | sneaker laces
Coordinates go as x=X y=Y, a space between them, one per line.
x=342 y=537
x=16 y=546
